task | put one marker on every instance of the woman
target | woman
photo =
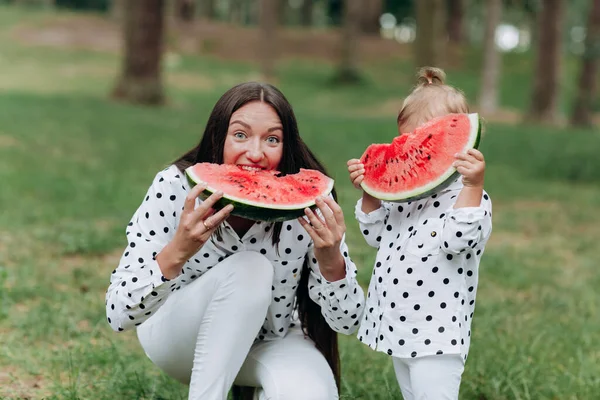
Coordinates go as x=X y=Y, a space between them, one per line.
x=218 y=299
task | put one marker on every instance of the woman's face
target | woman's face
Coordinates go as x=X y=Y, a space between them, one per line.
x=254 y=137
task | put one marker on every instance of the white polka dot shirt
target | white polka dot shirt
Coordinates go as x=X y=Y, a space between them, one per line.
x=138 y=288
x=422 y=292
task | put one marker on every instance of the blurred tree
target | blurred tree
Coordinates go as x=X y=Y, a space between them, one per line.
x=283 y=11
x=488 y=89
x=455 y=21
x=269 y=14
x=140 y=80
x=306 y=13
x=400 y=8
x=429 y=43
x=544 y=100
x=335 y=11
x=348 y=71
x=43 y=3
x=207 y=9
x=588 y=76
x=185 y=10
x=372 y=10
x=236 y=11
x=251 y=11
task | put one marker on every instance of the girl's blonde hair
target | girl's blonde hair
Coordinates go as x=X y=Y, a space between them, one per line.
x=431 y=98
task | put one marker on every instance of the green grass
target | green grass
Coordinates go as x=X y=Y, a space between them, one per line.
x=74 y=166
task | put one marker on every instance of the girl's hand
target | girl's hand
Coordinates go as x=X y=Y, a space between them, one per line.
x=195 y=228
x=471 y=165
x=357 y=172
x=327 y=233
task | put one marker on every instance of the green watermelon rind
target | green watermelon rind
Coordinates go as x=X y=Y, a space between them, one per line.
x=252 y=210
x=441 y=183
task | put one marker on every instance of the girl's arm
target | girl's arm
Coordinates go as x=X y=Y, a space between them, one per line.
x=370 y=212
x=468 y=223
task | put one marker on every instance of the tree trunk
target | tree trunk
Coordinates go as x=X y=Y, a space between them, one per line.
x=348 y=71
x=185 y=10
x=544 y=102
x=283 y=9
x=269 y=15
x=140 y=80
x=588 y=76
x=306 y=13
x=236 y=11
x=252 y=11
x=372 y=10
x=429 y=43
x=207 y=9
x=455 y=21
x=488 y=94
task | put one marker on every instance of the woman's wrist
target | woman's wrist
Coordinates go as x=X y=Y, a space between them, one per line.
x=170 y=261
x=333 y=270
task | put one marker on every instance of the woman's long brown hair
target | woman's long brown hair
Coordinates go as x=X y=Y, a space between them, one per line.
x=296 y=155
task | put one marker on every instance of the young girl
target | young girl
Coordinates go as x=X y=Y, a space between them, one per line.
x=422 y=293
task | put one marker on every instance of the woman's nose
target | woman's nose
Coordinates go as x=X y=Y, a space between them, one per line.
x=255 y=153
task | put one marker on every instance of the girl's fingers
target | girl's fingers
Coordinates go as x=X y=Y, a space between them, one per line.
x=476 y=153
x=463 y=156
x=358 y=181
x=462 y=164
x=356 y=174
x=462 y=170
x=356 y=167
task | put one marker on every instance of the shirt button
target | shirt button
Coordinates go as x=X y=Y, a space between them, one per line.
x=433 y=234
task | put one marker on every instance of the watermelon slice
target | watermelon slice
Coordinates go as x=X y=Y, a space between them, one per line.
x=417 y=164
x=261 y=195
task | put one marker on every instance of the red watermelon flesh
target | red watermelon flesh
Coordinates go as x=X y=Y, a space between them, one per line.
x=261 y=195
x=419 y=163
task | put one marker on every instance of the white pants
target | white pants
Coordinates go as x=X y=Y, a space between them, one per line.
x=429 y=378
x=204 y=336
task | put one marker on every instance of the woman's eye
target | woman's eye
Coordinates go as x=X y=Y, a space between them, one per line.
x=239 y=135
x=273 y=139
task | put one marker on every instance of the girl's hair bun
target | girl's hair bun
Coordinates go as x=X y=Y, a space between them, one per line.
x=430 y=76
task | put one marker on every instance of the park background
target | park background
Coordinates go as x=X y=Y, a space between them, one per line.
x=97 y=96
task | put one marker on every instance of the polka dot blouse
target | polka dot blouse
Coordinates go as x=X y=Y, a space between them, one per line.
x=422 y=292
x=138 y=288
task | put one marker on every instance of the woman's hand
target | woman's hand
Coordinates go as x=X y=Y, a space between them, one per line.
x=356 y=169
x=327 y=232
x=471 y=165
x=195 y=228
